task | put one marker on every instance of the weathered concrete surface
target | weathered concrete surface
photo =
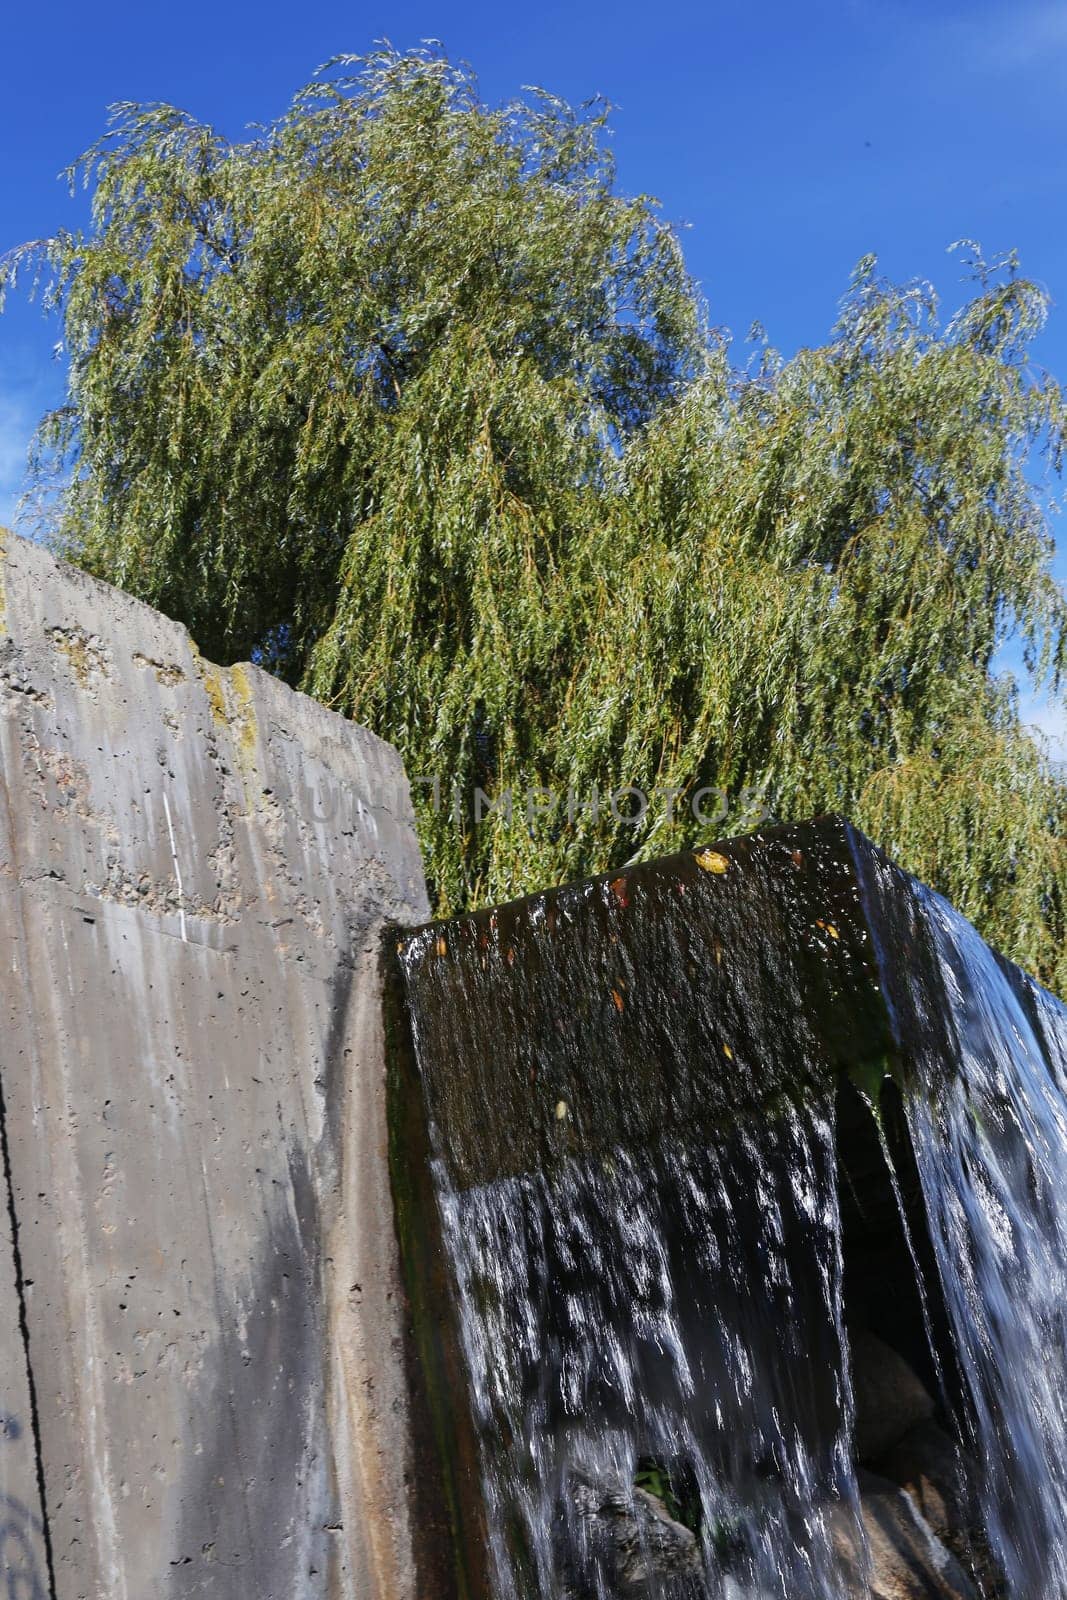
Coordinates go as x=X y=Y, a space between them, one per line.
x=23 y=1557
x=194 y=869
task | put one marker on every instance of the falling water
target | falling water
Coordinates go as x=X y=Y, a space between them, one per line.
x=662 y=1309
x=988 y=1121
x=650 y=1200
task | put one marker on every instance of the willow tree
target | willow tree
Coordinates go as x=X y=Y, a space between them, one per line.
x=843 y=546
x=394 y=293
x=400 y=396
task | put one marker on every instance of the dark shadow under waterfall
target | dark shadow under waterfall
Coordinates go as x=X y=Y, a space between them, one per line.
x=733 y=1198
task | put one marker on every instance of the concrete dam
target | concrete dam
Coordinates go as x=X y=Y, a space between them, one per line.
x=697 y=1232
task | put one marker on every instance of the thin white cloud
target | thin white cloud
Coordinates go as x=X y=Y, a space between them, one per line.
x=1011 y=38
x=16 y=428
x=1048 y=718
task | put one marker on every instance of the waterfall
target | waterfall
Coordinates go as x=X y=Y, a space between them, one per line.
x=661 y=1309
x=710 y=1151
x=988 y=1123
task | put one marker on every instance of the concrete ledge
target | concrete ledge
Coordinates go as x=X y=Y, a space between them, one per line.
x=195 y=867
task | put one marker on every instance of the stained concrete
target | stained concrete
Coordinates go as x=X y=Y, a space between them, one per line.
x=23 y=1554
x=195 y=866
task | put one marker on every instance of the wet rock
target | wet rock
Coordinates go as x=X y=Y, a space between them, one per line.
x=941 y=1480
x=928 y=1464
x=907 y=1559
x=890 y=1399
x=630 y=1537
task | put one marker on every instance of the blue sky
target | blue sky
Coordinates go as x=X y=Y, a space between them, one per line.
x=787 y=139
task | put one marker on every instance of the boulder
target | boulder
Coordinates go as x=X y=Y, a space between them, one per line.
x=930 y=1466
x=890 y=1399
x=639 y=1547
x=907 y=1561
x=942 y=1480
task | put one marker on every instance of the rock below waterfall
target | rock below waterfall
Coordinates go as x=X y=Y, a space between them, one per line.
x=630 y=1537
x=907 y=1559
x=941 y=1480
x=928 y=1464
x=890 y=1399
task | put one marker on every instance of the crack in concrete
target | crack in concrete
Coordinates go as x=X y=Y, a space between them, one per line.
x=20 y=1293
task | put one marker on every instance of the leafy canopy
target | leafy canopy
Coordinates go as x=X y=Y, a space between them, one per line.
x=263 y=336
x=402 y=397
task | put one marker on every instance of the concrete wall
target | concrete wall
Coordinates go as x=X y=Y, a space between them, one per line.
x=195 y=1227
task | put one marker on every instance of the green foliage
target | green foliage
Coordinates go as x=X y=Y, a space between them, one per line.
x=277 y=347
x=400 y=395
x=675 y=1491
